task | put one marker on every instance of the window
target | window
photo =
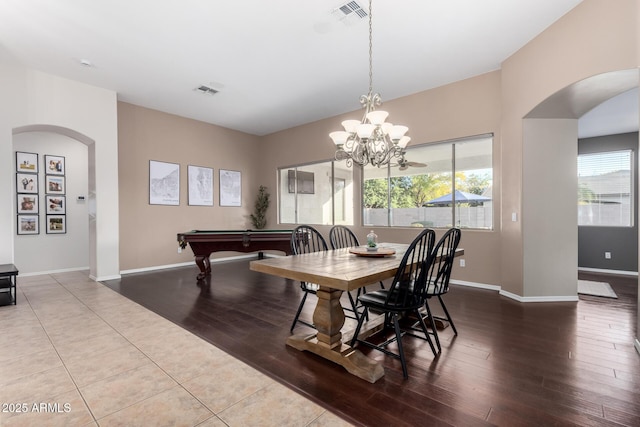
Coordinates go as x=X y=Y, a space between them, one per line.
x=319 y=193
x=442 y=185
x=605 y=189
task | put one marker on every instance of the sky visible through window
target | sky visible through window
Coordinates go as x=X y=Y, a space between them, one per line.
x=603 y=163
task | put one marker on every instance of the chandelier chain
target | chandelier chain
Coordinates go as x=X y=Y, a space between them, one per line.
x=371 y=140
x=370 y=49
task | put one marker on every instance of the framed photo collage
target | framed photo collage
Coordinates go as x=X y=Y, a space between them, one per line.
x=29 y=205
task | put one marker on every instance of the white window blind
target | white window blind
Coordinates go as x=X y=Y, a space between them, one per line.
x=605 y=189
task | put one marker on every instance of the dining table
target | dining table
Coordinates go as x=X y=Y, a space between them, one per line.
x=336 y=271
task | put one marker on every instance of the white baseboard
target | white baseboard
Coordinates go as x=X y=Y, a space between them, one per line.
x=475 y=285
x=515 y=297
x=603 y=271
x=155 y=268
x=190 y=263
x=557 y=298
x=104 y=278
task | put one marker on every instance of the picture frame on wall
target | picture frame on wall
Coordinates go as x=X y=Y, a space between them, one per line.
x=55 y=204
x=230 y=188
x=27 y=203
x=54 y=165
x=56 y=224
x=54 y=184
x=26 y=162
x=27 y=183
x=164 y=183
x=28 y=224
x=200 y=183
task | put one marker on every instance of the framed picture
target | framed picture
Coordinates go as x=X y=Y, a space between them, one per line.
x=27 y=203
x=56 y=224
x=26 y=183
x=164 y=183
x=28 y=224
x=230 y=188
x=54 y=184
x=200 y=183
x=53 y=165
x=56 y=204
x=26 y=162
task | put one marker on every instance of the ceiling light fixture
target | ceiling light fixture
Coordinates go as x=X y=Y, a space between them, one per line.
x=371 y=140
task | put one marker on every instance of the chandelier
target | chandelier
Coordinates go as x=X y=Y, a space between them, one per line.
x=371 y=140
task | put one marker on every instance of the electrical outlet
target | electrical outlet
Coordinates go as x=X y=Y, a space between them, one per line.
x=607 y=255
x=179 y=250
x=462 y=264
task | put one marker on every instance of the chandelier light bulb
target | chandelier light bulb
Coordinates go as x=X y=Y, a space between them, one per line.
x=377 y=117
x=386 y=127
x=397 y=132
x=365 y=130
x=351 y=125
x=339 y=137
x=402 y=143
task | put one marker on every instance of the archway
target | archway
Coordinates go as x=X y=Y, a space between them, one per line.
x=91 y=179
x=568 y=104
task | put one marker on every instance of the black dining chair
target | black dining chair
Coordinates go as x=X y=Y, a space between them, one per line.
x=438 y=280
x=306 y=239
x=405 y=296
x=342 y=237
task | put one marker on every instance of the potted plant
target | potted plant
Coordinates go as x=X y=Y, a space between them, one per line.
x=258 y=218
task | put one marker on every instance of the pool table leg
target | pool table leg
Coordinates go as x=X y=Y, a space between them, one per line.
x=205 y=266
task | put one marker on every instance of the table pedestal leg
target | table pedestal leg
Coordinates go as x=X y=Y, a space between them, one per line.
x=328 y=318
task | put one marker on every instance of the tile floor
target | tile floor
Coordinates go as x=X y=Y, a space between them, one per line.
x=75 y=353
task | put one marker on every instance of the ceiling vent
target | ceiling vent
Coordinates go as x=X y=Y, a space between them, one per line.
x=349 y=13
x=206 y=90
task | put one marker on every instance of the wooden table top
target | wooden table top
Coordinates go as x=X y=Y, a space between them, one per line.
x=337 y=268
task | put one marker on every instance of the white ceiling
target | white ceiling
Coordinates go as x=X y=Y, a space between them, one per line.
x=277 y=63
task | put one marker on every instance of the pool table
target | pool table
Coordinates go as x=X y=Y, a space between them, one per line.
x=204 y=242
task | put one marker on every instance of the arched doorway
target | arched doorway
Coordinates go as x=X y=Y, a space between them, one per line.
x=567 y=106
x=82 y=199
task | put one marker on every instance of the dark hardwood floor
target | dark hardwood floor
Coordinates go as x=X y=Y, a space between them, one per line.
x=512 y=364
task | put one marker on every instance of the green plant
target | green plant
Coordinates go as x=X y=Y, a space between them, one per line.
x=258 y=218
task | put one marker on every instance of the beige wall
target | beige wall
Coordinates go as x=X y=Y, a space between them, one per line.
x=464 y=108
x=596 y=37
x=148 y=232
x=35 y=101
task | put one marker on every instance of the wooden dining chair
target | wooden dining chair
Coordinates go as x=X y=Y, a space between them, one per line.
x=405 y=296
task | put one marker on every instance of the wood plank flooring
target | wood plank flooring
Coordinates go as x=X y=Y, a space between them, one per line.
x=512 y=364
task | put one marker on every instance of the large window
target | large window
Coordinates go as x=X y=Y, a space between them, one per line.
x=442 y=185
x=605 y=189
x=319 y=193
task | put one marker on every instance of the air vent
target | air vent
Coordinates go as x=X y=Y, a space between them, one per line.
x=349 y=13
x=206 y=90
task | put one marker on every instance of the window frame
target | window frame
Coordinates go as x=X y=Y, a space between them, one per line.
x=283 y=170
x=632 y=172
x=453 y=171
